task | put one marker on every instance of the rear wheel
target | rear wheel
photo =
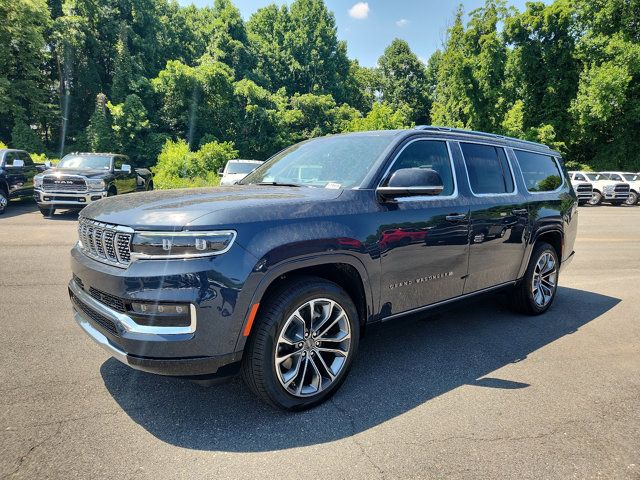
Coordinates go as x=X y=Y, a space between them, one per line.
x=302 y=344
x=47 y=212
x=112 y=192
x=537 y=290
x=633 y=199
x=596 y=198
x=150 y=185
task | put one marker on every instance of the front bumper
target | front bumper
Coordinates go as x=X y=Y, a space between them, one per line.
x=616 y=195
x=67 y=199
x=212 y=288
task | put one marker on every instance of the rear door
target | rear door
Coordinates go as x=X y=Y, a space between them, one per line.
x=499 y=217
x=29 y=171
x=423 y=240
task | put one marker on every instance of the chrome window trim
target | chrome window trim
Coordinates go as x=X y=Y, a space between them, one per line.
x=466 y=169
x=558 y=166
x=421 y=198
x=143 y=256
x=125 y=321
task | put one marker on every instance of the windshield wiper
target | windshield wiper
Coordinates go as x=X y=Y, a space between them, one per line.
x=278 y=184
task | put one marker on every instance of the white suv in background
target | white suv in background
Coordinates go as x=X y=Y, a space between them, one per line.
x=236 y=170
x=633 y=179
x=582 y=186
x=604 y=189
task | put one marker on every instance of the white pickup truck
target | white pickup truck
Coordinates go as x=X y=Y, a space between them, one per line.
x=633 y=179
x=604 y=190
x=582 y=187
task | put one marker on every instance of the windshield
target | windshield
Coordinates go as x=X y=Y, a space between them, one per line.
x=630 y=177
x=592 y=176
x=328 y=162
x=241 y=167
x=85 y=162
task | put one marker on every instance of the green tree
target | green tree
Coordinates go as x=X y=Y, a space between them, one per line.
x=452 y=104
x=195 y=101
x=25 y=138
x=123 y=70
x=98 y=133
x=382 y=117
x=403 y=80
x=542 y=70
x=229 y=42
x=132 y=129
x=24 y=90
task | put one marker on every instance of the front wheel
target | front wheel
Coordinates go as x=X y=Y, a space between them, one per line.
x=632 y=200
x=595 y=199
x=302 y=344
x=4 y=201
x=47 y=212
x=537 y=289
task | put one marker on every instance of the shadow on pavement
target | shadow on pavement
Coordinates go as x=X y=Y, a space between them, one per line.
x=399 y=367
x=19 y=207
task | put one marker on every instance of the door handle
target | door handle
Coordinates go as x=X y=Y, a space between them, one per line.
x=520 y=211
x=456 y=217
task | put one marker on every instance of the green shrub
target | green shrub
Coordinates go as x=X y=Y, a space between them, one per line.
x=178 y=167
x=3 y=145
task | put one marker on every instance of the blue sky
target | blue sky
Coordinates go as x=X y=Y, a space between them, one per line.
x=369 y=26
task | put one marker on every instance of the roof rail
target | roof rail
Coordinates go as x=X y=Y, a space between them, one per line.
x=460 y=131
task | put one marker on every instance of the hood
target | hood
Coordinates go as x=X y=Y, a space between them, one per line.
x=177 y=209
x=61 y=172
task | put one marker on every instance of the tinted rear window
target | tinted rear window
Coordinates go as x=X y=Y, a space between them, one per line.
x=540 y=172
x=488 y=169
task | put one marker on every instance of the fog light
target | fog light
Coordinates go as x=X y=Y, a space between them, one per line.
x=46 y=199
x=96 y=197
x=161 y=314
x=81 y=199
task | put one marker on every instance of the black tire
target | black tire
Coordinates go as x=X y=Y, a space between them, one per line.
x=632 y=200
x=47 y=212
x=150 y=186
x=259 y=363
x=523 y=299
x=112 y=192
x=596 y=199
x=4 y=201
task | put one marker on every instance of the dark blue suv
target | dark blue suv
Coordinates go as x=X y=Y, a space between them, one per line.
x=279 y=275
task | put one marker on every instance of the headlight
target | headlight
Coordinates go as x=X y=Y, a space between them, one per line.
x=95 y=184
x=181 y=244
x=37 y=181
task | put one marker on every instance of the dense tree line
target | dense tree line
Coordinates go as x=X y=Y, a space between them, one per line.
x=149 y=76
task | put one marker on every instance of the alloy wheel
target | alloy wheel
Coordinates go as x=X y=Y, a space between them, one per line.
x=313 y=347
x=545 y=277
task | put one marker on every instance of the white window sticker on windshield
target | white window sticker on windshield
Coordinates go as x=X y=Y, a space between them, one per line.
x=332 y=185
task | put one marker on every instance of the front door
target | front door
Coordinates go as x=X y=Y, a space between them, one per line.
x=423 y=240
x=499 y=218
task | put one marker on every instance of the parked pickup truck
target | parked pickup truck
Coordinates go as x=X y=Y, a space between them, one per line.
x=604 y=190
x=279 y=276
x=81 y=178
x=582 y=186
x=17 y=170
x=633 y=179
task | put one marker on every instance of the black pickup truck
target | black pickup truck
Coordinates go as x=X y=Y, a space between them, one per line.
x=17 y=171
x=279 y=275
x=81 y=178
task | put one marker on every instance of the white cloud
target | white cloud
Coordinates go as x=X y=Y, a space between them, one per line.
x=359 y=11
x=403 y=22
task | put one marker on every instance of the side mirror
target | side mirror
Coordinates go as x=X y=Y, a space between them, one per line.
x=410 y=182
x=18 y=163
x=220 y=172
x=47 y=164
x=126 y=168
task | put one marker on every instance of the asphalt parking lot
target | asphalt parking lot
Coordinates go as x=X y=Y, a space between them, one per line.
x=476 y=392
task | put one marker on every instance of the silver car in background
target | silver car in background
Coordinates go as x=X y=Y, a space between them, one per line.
x=236 y=170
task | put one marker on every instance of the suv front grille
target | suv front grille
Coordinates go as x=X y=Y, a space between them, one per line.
x=622 y=188
x=108 y=299
x=106 y=243
x=585 y=187
x=64 y=184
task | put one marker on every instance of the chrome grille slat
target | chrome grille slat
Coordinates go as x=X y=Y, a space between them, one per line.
x=78 y=184
x=110 y=244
